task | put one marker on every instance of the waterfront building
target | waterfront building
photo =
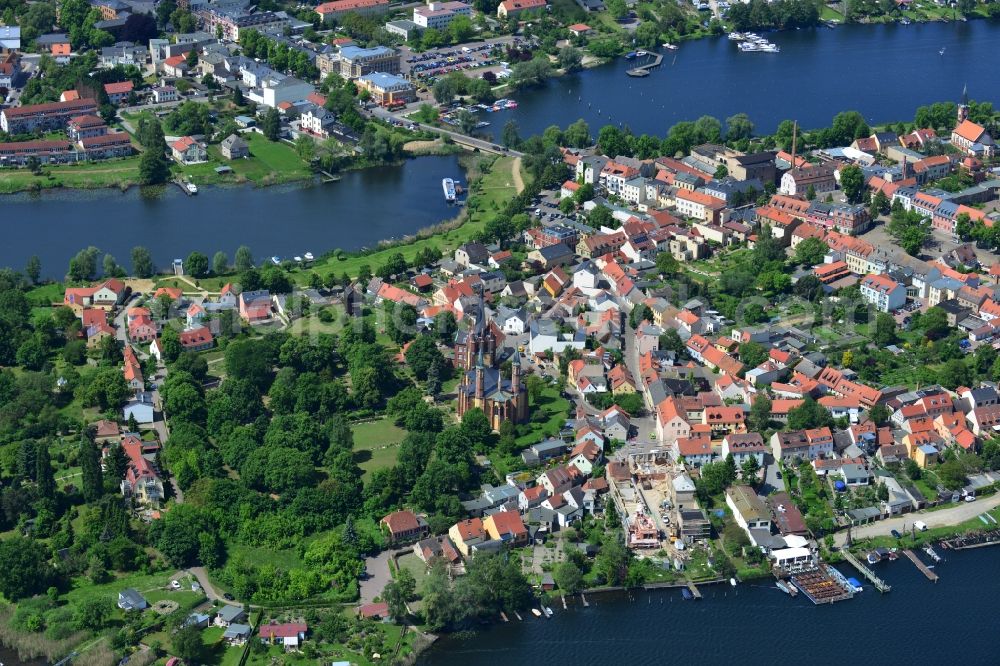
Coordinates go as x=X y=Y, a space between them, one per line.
x=388 y=89
x=44 y=117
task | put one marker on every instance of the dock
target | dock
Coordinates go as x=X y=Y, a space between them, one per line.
x=183 y=185
x=644 y=70
x=565 y=607
x=879 y=584
x=824 y=585
x=694 y=590
x=931 y=576
x=583 y=597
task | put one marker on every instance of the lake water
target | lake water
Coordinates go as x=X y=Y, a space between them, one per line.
x=918 y=622
x=363 y=208
x=885 y=72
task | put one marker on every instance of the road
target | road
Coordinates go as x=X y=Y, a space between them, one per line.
x=457 y=137
x=378 y=576
x=202 y=575
x=942 y=518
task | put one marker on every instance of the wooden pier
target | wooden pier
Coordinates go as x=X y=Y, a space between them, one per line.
x=644 y=70
x=931 y=576
x=583 y=597
x=694 y=590
x=879 y=584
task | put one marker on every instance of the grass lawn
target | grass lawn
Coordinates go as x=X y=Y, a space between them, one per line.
x=414 y=565
x=829 y=14
x=376 y=443
x=269 y=162
x=46 y=294
x=555 y=409
x=87 y=175
x=281 y=559
x=491 y=192
x=312 y=323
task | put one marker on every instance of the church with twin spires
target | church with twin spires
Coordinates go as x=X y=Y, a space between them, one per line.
x=482 y=384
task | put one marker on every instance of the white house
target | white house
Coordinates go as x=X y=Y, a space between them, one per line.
x=883 y=292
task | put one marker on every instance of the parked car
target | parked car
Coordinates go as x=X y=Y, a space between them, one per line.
x=896 y=534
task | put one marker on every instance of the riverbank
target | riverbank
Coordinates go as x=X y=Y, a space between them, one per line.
x=647 y=625
x=492 y=182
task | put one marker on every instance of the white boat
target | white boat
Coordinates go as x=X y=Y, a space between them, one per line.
x=276 y=260
x=737 y=36
x=191 y=188
x=770 y=48
x=941 y=52
x=298 y=260
x=308 y=256
x=536 y=612
x=670 y=47
x=732 y=581
x=783 y=586
x=641 y=53
x=548 y=611
x=449 y=189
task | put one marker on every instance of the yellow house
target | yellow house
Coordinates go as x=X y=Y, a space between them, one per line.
x=466 y=534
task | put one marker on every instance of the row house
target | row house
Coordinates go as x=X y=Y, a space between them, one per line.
x=819 y=177
x=699 y=206
x=846 y=219
x=614 y=176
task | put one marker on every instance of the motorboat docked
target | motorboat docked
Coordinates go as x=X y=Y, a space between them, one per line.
x=308 y=256
x=276 y=260
x=191 y=188
x=449 y=189
x=642 y=54
x=670 y=47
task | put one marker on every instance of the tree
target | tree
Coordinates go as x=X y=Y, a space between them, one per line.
x=142 y=262
x=955 y=373
x=569 y=58
x=752 y=354
x=810 y=414
x=196 y=265
x=749 y=469
x=153 y=168
x=33 y=269
x=666 y=264
x=244 y=259
x=760 y=413
x=467 y=121
x=398 y=591
x=25 y=570
x=739 y=127
x=885 y=329
x=568 y=577
x=577 y=135
x=220 y=263
x=92 y=613
x=188 y=644
x=852 y=181
x=83 y=266
x=45 y=480
x=90 y=470
x=271 y=125
x=423 y=355
x=617 y=8
x=810 y=252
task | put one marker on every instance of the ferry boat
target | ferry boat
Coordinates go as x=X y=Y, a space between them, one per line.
x=449 y=189
x=670 y=47
x=191 y=188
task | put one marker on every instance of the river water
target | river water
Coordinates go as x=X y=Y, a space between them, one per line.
x=918 y=622
x=885 y=72
x=361 y=209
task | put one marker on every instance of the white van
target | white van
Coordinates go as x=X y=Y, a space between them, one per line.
x=920 y=525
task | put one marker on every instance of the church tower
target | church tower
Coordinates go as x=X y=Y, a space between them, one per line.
x=515 y=373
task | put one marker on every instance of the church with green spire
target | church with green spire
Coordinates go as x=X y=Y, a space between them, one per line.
x=501 y=399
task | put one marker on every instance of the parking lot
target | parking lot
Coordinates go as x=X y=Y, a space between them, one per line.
x=471 y=59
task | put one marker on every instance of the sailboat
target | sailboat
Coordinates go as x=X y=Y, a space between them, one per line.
x=941 y=52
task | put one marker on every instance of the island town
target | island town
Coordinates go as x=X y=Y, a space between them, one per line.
x=674 y=367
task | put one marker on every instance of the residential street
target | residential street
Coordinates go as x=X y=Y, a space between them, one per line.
x=942 y=518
